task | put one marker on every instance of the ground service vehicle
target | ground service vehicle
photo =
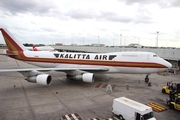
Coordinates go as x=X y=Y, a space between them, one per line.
x=170 y=87
x=127 y=109
x=175 y=104
x=174 y=101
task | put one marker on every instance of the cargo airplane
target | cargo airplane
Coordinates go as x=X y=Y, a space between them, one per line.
x=80 y=66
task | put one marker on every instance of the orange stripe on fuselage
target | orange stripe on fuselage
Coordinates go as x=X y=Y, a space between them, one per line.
x=91 y=62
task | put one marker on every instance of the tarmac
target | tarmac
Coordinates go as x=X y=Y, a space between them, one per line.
x=21 y=100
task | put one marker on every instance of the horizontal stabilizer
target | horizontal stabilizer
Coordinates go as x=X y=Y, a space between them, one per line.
x=8 y=54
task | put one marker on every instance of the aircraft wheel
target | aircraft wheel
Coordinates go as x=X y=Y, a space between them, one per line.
x=146 y=79
x=68 y=76
x=163 y=91
x=171 y=106
x=121 y=117
x=113 y=114
x=168 y=103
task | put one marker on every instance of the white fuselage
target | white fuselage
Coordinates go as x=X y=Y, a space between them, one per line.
x=122 y=62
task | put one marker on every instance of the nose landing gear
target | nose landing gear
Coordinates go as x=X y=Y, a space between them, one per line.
x=147 y=78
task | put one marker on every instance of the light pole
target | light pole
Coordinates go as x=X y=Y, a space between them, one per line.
x=157 y=39
x=83 y=41
x=120 y=42
x=98 y=39
x=124 y=41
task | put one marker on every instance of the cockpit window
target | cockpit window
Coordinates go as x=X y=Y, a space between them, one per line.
x=155 y=56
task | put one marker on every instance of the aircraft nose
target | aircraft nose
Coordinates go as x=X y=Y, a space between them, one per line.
x=169 y=65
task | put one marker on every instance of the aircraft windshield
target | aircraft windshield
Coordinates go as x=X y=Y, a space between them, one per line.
x=155 y=55
x=148 y=116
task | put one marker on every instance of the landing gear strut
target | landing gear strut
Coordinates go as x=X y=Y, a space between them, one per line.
x=147 y=78
x=68 y=76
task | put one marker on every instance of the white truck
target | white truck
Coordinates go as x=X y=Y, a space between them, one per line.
x=127 y=109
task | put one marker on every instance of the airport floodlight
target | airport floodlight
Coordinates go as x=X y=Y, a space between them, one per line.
x=157 y=39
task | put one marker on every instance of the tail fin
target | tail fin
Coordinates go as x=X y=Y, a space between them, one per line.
x=11 y=42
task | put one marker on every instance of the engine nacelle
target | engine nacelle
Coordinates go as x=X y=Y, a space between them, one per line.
x=86 y=77
x=43 y=79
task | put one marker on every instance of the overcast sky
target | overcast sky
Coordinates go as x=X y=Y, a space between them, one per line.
x=110 y=22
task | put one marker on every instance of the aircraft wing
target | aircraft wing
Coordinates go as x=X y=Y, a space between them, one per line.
x=97 y=69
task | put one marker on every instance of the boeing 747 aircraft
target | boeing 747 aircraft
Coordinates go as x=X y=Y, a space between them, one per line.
x=80 y=66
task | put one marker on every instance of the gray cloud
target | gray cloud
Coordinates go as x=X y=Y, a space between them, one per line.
x=28 y=6
x=129 y=2
x=142 y=16
x=161 y=3
x=97 y=15
x=48 y=8
x=47 y=29
x=83 y=13
x=111 y=16
x=143 y=19
x=169 y=3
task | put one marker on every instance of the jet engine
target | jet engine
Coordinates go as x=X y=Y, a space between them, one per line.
x=43 y=79
x=86 y=77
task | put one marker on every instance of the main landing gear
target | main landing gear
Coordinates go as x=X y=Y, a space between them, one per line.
x=147 y=78
x=68 y=76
